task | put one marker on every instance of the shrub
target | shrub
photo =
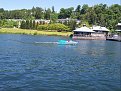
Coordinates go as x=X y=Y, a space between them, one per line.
x=35 y=33
x=42 y=27
x=57 y=26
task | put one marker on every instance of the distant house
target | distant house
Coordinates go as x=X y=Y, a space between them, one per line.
x=68 y=19
x=118 y=26
x=42 y=20
x=36 y=20
x=16 y=20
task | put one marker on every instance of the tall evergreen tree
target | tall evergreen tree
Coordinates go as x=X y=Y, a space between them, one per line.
x=23 y=25
x=34 y=25
x=31 y=24
x=27 y=24
x=53 y=10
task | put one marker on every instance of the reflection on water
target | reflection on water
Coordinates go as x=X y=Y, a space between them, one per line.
x=89 y=66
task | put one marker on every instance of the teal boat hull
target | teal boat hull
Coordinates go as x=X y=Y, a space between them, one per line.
x=64 y=42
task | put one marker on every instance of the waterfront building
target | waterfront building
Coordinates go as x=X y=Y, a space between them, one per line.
x=96 y=32
x=100 y=30
x=83 y=31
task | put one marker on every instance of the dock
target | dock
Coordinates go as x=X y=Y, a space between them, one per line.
x=89 y=37
x=114 y=38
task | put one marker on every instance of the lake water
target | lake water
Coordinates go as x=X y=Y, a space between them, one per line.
x=92 y=65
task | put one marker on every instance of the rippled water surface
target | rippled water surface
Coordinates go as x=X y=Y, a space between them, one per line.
x=92 y=65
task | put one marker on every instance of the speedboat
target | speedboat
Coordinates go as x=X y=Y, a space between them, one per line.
x=60 y=42
x=64 y=42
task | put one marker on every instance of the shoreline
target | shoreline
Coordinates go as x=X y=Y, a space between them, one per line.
x=33 y=32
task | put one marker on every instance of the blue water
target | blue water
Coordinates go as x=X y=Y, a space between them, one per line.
x=92 y=65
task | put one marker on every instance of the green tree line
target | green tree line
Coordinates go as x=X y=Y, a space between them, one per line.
x=100 y=14
x=31 y=24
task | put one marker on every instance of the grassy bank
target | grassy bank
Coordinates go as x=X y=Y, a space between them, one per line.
x=32 y=32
